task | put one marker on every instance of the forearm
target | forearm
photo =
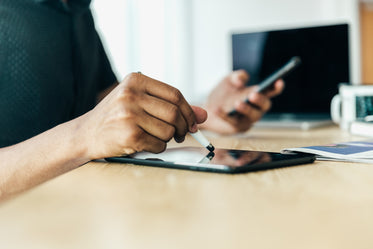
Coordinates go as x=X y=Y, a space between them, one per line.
x=140 y=114
x=41 y=158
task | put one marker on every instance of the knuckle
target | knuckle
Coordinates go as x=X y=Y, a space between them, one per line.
x=169 y=133
x=173 y=113
x=132 y=80
x=131 y=77
x=177 y=96
x=128 y=95
x=135 y=138
x=128 y=115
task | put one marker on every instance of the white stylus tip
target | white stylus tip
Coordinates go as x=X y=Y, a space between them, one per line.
x=203 y=140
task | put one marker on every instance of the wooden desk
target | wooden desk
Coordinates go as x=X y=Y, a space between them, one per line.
x=101 y=205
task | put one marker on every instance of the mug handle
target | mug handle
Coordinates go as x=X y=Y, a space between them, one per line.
x=335 y=109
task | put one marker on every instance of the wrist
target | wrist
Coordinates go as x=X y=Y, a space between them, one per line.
x=42 y=157
x=75 y=141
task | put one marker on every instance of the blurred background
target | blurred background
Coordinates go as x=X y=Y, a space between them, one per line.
x=187 y=43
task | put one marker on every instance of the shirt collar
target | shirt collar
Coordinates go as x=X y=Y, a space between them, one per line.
x=73 y=6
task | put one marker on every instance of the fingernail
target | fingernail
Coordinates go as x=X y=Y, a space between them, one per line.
x=194 y=128
x=179 y=139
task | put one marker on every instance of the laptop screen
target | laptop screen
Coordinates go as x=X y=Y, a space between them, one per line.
x=324 y=51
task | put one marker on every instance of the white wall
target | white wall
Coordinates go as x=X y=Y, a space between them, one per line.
x=151 y=36
x=111 y=20
x=187 y=42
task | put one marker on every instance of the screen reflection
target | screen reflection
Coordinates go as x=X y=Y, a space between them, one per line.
x=237 y=158
x=231 y=158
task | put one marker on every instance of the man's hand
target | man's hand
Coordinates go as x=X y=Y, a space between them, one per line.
x=231 y=93
x=140 y=114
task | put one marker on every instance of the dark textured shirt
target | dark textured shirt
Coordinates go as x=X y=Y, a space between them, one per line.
x=52 y=65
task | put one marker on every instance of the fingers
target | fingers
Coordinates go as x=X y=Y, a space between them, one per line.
x=257 y=101
x=152 y=144
x=140 y=114
x=239 y=123
x=170 y=114
x=163 y=91
x=141 y=140
x=156 y=127
x=164 y=112
x=277 y=88
x=166 y=104
x=249 y=113
x=239 y=78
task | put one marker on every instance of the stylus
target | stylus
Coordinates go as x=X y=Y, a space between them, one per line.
x=208 y=158
x=202 y=140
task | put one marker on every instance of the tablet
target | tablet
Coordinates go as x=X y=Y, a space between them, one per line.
x=220 y=160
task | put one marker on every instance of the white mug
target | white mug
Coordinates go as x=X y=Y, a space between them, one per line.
x=352 y=102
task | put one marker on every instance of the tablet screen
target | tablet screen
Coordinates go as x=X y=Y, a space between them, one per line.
x=227 y=157
x=220 y=160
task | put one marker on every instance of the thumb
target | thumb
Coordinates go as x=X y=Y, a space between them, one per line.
x=239 y=78
x=200 y=113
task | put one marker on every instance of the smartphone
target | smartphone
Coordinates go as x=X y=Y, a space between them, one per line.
x=293 y=63
x=219 y=161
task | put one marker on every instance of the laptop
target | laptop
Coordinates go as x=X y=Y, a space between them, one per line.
x=309 y=89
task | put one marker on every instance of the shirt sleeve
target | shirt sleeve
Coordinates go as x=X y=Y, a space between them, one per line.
x=107 y=76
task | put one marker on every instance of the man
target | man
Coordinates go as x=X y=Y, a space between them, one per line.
x=53 y=69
